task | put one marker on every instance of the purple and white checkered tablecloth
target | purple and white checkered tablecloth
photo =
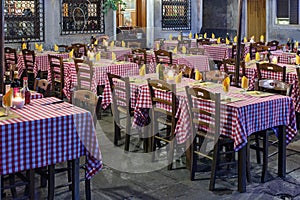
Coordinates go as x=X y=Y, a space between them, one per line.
x=119 y=52
x=42 y=135
x=284 y=57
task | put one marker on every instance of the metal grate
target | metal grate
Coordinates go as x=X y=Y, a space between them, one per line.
x=82 y=16
x=176 y=14
x=24 y=19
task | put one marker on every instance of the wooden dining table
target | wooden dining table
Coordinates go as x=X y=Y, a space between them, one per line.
x=42 y=134
x=244 y=114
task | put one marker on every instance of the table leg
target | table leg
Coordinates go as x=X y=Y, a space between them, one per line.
x=282 y=151
x=242 y=157
x=75 y=179
x=0 y=187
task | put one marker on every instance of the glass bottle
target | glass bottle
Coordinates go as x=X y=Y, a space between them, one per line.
x=7 y=82
x=26 y=90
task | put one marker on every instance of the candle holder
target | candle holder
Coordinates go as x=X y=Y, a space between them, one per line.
x=18 y=99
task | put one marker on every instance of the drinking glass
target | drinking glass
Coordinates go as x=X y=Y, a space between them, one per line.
x=245 y=85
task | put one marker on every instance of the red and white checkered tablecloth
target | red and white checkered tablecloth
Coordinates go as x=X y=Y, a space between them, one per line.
x=41 y=61
x=217 y=52
x=291 y=78
x=172 y=43
x=239 y=119
x=199 y=62
x=284 y=57
x=48 y=134
x=101 y=69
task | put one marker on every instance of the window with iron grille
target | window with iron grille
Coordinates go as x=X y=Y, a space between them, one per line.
x=176 y=14
x=23 y=19
x=82 y=16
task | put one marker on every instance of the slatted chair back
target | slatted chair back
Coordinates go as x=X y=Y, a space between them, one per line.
x=79 y=50
x=142 y=54
x=43 y=86
x=163 y=56
x=121 y=106
x=187 y=71
x=163 y=113
x=84 y=72
x=184 y=43
x=88 y=100
x=271 y=71
x=274 y=45
x=231 y=73
x=234 y=51
x=57 y=75
x=29 y=63
x=10 y=58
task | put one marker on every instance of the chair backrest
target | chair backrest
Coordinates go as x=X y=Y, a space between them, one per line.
x=186 y=70
x=204 y=109
x=231 y=62
x=87 y=100
x=163 y=56
x=43 y=86
x=184 y=43
x=273 y=45
x=79 y=50
x=29 y=59
x=196 y=51
x=142 y=54
x=10 y=58
x=274 y=86
x=160 y=104
x=120 y=92
x=271 y=70
x=257 y=47
x=203 y=41
x=234 y=51
x=84 y=72
x=57 y=75
x=214 y=76
x=161 y=41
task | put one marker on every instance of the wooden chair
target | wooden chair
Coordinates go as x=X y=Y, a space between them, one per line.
x=43 y=86
x=187 y=71
x=274 y=45
x=278 y=87
x=231 y=74
x=163 y=57
x=196 y=51
x=29 y=62
x=271 y=68
x=84 y=72
x=121 y=107
x=142 y=53
x=57 y=75
x=204 y=110
x=184 y=43
x=10 y=59
x=234 y=51
x=203 y=41
x=79 y=50
x=164 y=117
x=257 y=47
x=161 y=42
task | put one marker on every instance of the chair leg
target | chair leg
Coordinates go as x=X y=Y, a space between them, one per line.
x=12 y=182
x=127 y=135
x=69 y=166
x=117 y=134
x=193 y=160
x=265 y=157
x=257 y=151
x=153 y=147
x=214 y=166
x=88 y=189
x=171 y=154
x=51 y=181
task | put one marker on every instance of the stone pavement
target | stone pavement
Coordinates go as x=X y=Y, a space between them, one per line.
x=112 y=183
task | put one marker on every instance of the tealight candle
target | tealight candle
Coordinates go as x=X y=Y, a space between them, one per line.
x=18 y=102
x=274 y=60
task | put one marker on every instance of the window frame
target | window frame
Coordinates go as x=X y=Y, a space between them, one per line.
x=36 y=19
x=168 y=21
x=97 y=17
